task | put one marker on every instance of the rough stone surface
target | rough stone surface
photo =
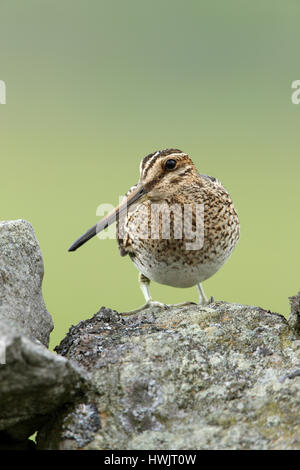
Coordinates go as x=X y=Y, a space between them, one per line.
x=22 y=308
x=225 y=376
x=294 y=318
x=34 y=382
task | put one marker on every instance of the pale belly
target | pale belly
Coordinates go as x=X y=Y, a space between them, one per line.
x=176 y=274
x=171 y=261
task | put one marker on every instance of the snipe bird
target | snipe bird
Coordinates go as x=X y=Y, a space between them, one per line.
x=188 y=206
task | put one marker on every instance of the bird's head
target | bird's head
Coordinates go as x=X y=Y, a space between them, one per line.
x=162 y=174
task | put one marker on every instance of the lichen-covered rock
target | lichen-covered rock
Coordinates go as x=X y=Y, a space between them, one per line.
x=226 y=376
x=33 y=381
x=22 y=307
x=294 y=318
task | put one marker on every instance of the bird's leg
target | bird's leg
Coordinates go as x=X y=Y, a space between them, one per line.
x=202 y=297
x=203 y=300
x=144 y=284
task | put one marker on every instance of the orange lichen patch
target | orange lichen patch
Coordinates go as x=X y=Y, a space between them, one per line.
x=225 y=318
x=103 y=417
x=145 y=327
x=168 y=324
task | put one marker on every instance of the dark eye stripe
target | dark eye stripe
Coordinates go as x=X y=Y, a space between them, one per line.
x=151 y=161
x=147 y=158
x=152 y=157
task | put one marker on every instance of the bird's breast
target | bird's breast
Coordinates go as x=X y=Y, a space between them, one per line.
x=182 y=243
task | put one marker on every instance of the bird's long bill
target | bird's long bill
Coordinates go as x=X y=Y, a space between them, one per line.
x=109 y=218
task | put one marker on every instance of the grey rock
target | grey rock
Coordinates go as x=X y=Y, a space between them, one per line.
x=224 y=376
x=34 y=383
x=294 y=318
x=22 y=307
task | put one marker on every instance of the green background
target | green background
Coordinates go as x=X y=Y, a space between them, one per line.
x=93 y=86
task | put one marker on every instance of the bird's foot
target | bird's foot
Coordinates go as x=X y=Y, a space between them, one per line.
x=206 y=301
x=182 y=304
x=149 y=304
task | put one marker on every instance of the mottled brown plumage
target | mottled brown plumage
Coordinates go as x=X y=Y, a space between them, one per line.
x=181 y=226
x=167 y=260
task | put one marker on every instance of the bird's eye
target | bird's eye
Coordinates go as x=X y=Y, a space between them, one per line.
x=170 y=164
